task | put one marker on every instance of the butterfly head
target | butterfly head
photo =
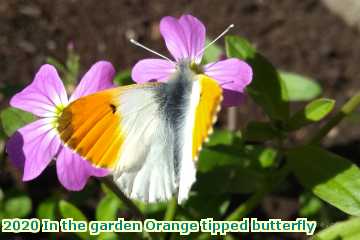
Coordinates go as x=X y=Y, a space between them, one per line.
x=190 y=67
x=196 y=68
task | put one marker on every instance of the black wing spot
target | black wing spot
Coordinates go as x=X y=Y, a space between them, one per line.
x=113 y=108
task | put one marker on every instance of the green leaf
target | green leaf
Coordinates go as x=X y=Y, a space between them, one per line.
x=123 y=78
x=229 y=180
x=249 y=156
x=210 y=159
x=47 y=209
x=267 y=157
x=68 y=210
x=309 y=205
x=346 y=230
x=318 y=109
x=212 y=207
x=112 y=235
x=313 y=112
x=219 y=137
x=151 y=208
x=18 y=206
x=266 y=88
x=300 y=88
x=260 y=131
x=213 y=52
x=239 y=47
x=3 y=135
x=332 y=178
x=12 y=119
x=107 y=208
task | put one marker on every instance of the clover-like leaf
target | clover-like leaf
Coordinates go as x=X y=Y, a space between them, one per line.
x=12 y=119
x=47 y=209
x=107 y=208
x=300 y=88
x=267 y=89
x=346 y=230
x=17 y=206
x=313 y=112
x=332 y=178
x=68 y=210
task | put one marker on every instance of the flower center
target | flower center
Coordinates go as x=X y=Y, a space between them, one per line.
x=59 y=109
x=196 y=68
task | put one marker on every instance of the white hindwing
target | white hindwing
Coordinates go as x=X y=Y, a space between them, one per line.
x=145 y=170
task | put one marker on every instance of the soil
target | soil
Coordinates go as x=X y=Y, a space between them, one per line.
x=300 y=36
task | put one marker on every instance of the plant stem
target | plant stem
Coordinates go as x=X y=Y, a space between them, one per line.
x=257 y=197
x=247 y=206
x=345 y=110
x=170 y=214
x=133 y=208
x=171 y=210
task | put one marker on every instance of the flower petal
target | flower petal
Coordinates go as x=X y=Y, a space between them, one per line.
x=73 y=171
x=232 y=98
x=43 y=95
x=195 y=36
x=33 y=147
x=233 y=75
x=184 y=38
x=14 y=149
x=152 y=69
x=174 y=37
x=99 y=77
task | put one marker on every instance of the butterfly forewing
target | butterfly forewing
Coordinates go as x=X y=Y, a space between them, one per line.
x=91 y=127
x=123 y=130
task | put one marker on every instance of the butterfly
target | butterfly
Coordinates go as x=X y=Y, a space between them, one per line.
x=147 y=135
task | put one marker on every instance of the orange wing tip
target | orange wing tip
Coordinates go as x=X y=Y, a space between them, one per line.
x=89 y=127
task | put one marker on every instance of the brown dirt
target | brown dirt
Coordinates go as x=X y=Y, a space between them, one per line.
x=301 y=36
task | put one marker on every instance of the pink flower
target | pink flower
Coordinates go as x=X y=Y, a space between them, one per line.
x=185 y=40
x=36 y=144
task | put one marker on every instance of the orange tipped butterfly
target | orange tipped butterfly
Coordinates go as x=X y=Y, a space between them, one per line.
x=148 y=135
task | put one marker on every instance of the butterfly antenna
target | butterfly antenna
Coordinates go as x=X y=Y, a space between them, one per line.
x=217 y=38
x=133 y=41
